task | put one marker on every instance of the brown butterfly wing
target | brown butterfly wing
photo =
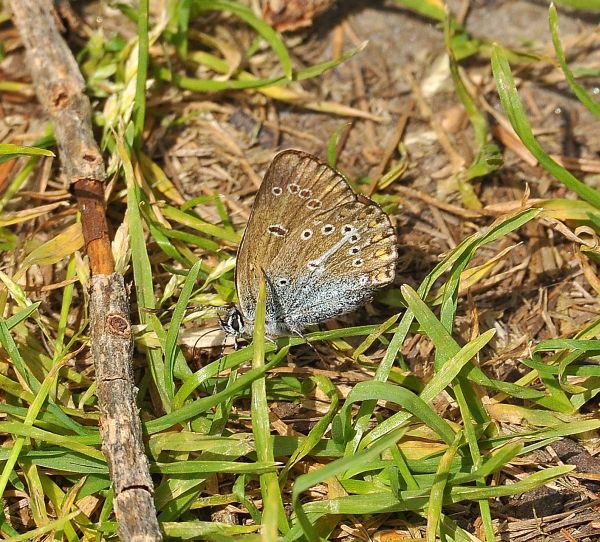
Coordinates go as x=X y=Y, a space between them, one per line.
x=323 y=249
x=276 y=213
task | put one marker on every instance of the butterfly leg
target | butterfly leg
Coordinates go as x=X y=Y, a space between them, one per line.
x=307 y=342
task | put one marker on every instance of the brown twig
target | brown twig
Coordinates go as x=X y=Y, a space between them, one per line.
x=61 y=91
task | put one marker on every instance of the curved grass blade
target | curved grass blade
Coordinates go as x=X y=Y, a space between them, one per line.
x=306 y=481
x=316 y=433
x=382 y=391
x=514 y=109
x=577 y=89
x=266 y=32
x=8 y=151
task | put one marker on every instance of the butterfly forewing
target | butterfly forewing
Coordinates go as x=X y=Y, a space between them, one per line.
x=323 y=249
x=284 y=194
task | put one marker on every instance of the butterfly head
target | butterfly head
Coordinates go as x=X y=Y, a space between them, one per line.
x=233 y=323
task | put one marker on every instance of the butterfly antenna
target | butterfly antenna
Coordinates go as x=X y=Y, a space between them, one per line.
x=220 y=357
x=221 y=365
x=198 y=340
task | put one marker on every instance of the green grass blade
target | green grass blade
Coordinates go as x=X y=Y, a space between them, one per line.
x=372 y=337
x=317 y=432
x=51 y=526
x=67 y=299
x=273 y=512
x=265 y=31
x=476 y=117
x=514 y=109
x=205 y=530
x=436 y=497
x=8 y=150
x=22 y=315
x=382 y=391
x=427 y=8
x=533 y=481
x=450 y=370
x=142 y=273
x=191 y=467
x=495 y=463
x=580 y=4
x=181 y=18
x=191 y=221
x=577 y=89
x=318 y=69
x=11 y=349
x=32 y=413
x=335 y=468
x=139 y=103
x=171 y=348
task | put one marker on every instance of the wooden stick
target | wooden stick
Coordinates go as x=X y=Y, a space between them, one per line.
x=61 y=91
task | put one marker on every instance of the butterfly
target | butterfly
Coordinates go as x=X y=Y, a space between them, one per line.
x=322 y=249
